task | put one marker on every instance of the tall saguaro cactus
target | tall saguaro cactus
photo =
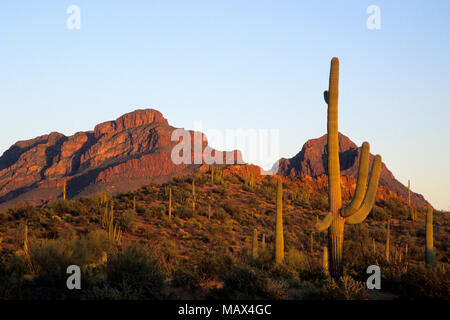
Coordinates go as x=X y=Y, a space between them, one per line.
x=364 y=197
x=279 y=239
x=429 y=251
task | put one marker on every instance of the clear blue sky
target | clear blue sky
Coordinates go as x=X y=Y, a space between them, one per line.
x=238 y=64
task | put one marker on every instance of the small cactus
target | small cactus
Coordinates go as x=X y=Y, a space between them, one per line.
x=250 y=180
x=412 y=211
x=193 y=194
x=64 y=189
x=113 y=231
x=170 y=203
x=429 y=251
x=279 y=239
x=388 y=240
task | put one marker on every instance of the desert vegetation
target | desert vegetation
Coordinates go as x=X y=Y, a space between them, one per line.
x=128 y=246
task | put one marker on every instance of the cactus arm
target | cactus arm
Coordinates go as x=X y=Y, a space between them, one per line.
x=369 y=199
x=363 y=171
x=326 y=96
x=324 y=224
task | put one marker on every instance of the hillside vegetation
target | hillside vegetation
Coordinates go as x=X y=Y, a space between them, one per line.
x=203 y=248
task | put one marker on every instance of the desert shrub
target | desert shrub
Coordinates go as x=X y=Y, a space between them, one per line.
x=186 y=279
x=346 y=288
x=90 y=249
x=319 y=202
x=419 y=282
x=184 y=212
x=211 y=266
x=284 y=271
x=62 y=207
x=140 y=209
x=232 y=208
x=379 y=214
x=155 y=212
x=134 y=275
x=26 y=212
x=12 y=271
x=395 y=207
x=242 y=282
x=297 y=259
x=218 y=214
x=127 y=220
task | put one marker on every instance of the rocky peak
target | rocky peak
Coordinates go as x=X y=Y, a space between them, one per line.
x=130 y=120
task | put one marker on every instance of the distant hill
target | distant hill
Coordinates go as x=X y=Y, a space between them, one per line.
x=313 y=158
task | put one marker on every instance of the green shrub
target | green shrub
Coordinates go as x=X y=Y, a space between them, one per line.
x=246 y=283
x=419 y=282
x=184 y=212
x=127 y=220
x=185 y=279
x=379 y=214
x=133 y=273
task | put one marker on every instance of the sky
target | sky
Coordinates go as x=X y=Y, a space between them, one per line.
x=233 y=64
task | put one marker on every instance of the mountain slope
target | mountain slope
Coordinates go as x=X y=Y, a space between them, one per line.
x=116 y=156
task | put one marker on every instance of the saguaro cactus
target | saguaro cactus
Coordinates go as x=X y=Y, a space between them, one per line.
x=114 y=233
x=26 y=250
x=263 y=242
x=388 y=240
x=64 y=189
x=170 y=203
x=193 y=195
x=412 y=211
x=255 y=244
x=429 y=251
x=279 y=240
x=325 y=260
x=363 y=201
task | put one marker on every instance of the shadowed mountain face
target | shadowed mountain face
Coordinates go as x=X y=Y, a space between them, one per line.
x=117 y=156
x=313 y=158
